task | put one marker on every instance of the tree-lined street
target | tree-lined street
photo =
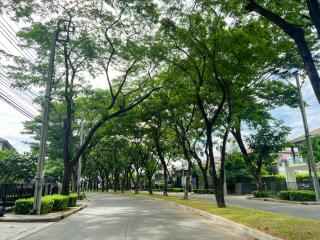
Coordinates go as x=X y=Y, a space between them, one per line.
x=178 y=97
x=119 y=217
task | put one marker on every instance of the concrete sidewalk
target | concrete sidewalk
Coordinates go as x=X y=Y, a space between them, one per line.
x=299 y=210
x=15 y=231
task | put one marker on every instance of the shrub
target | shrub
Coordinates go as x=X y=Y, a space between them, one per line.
x=46 y=204
x=60 y=202
x=73 y=197
x=24 y=206
x=284 y=195
x=203 y=191
x=175 y=189
x=304 y=176
x=82 y=195
x=297 y=195
x=261 y=194
x=275 y=177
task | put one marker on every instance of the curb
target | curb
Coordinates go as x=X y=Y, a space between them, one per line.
x=254 y=233
x=44 y=218
x=283 y=201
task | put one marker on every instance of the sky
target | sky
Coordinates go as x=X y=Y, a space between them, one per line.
x=12 y=121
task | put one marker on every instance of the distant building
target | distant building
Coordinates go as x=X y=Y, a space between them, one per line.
x=298 y=141
x=5 y=145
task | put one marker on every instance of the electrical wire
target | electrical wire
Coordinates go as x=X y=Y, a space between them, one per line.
x=9 y=100
x=14 y=35
x=15 y=40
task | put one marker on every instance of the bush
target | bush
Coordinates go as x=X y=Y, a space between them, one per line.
x=261 y=194
x=284 y=195
x=175 y=189
x=60 y=202
x=275 y=177
x=24 y=206
x=82 y=196
x=46 y=204
x=304 y=176
x=297 y=195
x=203 y=191
x=73 y=197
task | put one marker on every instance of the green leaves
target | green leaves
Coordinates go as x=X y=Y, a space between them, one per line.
x=15 y=167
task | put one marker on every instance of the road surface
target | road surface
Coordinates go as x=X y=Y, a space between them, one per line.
x=111 y=217
x=299 y=210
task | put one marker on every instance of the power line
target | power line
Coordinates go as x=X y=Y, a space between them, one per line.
x=31 y=92
x=15 y=33
x=14 y=38
x=9 y=39
x=22 y=98
x=9 y=100
x=26 y=92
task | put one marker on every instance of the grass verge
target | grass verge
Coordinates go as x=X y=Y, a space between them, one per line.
x=278 y=225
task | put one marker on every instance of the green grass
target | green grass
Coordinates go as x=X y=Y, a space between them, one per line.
x=282 y=226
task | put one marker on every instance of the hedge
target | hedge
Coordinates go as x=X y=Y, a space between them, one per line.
x=25 y=205
x=203 y=191
x=276 y=177
x=49 y=203
x=175 y=189
x=297 y=195
x=60 y=202
x=304 y=176
x=82 y=195
x=261 y=194
x=73 y=197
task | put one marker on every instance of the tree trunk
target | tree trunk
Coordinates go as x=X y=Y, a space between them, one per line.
x=205 y=178
x=103 y=183
x=74 y=185
x=150 y=185
x=165 y=174
x=107 y=184
x=217 y=188
x=259 y=182
x=66 y=179
x=186 y=187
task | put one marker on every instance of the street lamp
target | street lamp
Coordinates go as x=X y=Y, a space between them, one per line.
x=312 y=165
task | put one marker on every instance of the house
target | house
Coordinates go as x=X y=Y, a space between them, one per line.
x=298 y=141
x=179 y=172
x=291 y=162
x=5 y=145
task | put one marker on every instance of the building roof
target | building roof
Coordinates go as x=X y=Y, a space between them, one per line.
x=6 y=143
x=300 y=139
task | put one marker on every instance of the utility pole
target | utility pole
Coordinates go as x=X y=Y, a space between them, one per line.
x=39 y=180
x=312 y=163
x=44 y=128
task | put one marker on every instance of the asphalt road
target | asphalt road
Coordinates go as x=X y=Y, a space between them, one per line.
x=117 y=217
x=299 y=210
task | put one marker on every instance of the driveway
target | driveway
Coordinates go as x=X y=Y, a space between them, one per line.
x=118 y=217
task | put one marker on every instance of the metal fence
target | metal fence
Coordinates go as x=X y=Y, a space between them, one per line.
x=276 y=186
x=9 y=193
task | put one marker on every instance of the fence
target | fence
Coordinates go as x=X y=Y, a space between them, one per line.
x=9 y=193
x=274 y=186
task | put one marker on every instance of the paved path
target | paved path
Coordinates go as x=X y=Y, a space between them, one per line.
x=117 y=217
x=305 y=211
